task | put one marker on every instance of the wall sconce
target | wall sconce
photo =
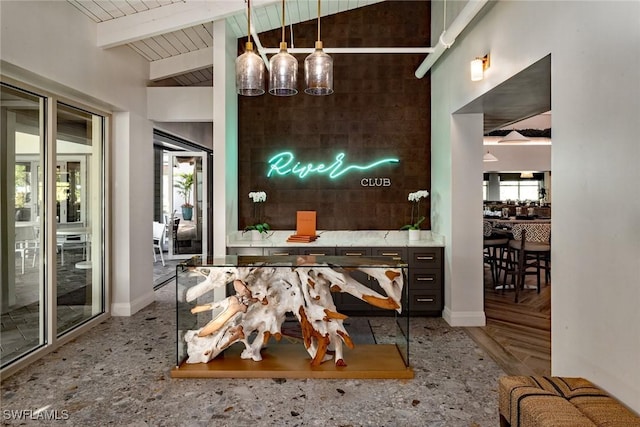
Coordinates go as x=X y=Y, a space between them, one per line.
x=478 y=66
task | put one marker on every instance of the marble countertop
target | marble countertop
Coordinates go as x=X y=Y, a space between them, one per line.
x=338 y=238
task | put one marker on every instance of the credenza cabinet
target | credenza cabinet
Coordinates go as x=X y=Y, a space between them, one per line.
x=425 y=281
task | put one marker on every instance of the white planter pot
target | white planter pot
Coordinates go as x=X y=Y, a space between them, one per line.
x=414 y=234
x=255 y=235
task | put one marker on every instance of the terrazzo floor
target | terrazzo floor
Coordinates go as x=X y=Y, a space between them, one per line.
x=117 y=374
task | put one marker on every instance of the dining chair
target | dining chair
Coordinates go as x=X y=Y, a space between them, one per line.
x=26 y=243
x=69 y=242
x=158 y=239
x=529 y=253
x=493 y=247
x=174 y=234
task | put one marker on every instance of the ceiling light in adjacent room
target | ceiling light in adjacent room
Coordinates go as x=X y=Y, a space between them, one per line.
x=488 y=157
x=514 y=136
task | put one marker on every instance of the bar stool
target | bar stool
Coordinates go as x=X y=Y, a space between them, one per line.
x=529 y=253
x=494 y=247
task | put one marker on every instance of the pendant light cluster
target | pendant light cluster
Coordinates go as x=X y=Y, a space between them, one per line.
x=283 y=75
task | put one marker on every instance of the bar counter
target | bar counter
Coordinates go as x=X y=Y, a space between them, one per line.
x=337 y=238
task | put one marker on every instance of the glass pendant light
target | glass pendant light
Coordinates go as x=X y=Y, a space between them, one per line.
x=249 y=66
x=283 y=69
x=318 y=69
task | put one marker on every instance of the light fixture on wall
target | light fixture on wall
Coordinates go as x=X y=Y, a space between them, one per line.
x=318 y=69
x=514 y=136
x=478 y=67
x=526 y=175
x=488 y=157
x=249 y=66
x=283 y=69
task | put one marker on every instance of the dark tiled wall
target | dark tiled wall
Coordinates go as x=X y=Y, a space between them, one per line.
x=379 y=109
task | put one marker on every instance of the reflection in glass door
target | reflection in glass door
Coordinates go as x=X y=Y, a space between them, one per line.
x=79 y=199
x=188 y=204
x=21 y=219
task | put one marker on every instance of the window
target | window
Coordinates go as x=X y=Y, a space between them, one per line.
x=519 y=190
x=509 y=186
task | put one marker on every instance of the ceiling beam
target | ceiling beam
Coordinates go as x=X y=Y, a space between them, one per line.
x=181 y=64
x=172 y=17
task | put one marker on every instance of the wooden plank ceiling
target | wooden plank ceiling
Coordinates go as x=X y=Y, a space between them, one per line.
x=172 y=43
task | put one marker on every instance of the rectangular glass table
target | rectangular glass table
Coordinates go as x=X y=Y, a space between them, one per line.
x=276 y=317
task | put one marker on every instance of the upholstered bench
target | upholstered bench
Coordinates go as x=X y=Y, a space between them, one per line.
x=559 y=401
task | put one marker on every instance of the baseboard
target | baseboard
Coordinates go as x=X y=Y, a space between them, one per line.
x=464 y=318
x=131 y=308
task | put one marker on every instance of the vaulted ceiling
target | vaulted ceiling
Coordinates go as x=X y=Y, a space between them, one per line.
x=176 y=36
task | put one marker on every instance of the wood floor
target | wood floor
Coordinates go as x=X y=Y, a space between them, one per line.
x=517 y=336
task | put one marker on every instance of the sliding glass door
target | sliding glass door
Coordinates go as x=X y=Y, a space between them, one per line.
x=188 y=203
x=22 y=124
x=79 y=207
x=52 y=220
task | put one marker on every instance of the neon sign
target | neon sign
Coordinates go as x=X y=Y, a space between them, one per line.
x=284 y=163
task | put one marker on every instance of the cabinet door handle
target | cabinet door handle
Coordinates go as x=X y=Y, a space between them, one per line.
x=424 y=279
x=280 y=253
x=390 y=254
x=425 y=257
x=425 y=299
x=353 y=253
x=319 y=254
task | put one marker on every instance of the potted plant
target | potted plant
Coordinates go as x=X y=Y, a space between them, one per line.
x=184 y=184
x=414 y=226
x=259 y=227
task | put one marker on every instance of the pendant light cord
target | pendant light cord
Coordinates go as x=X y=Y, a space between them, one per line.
x=318 y=20
x=444 y=18
x=283 y=21
x=248 y=21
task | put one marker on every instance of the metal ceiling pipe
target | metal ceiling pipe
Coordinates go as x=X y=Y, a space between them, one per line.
x=463 y=19
x=364 y=50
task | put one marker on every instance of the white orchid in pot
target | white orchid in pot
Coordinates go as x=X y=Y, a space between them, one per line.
x=416 y=218
x=258 y=197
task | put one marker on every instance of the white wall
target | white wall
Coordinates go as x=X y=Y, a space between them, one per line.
x=180 y=104
x=514 y=158
x=596 y=240
x=132 y=287
x=54 y=40
x=225 y=136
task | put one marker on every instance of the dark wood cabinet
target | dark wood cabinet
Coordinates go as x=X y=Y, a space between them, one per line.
x=281 y=251
x=347 y=303
x=425 y=281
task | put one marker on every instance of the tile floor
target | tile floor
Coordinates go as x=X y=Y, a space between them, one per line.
x=118 y=374
x=20 y=325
